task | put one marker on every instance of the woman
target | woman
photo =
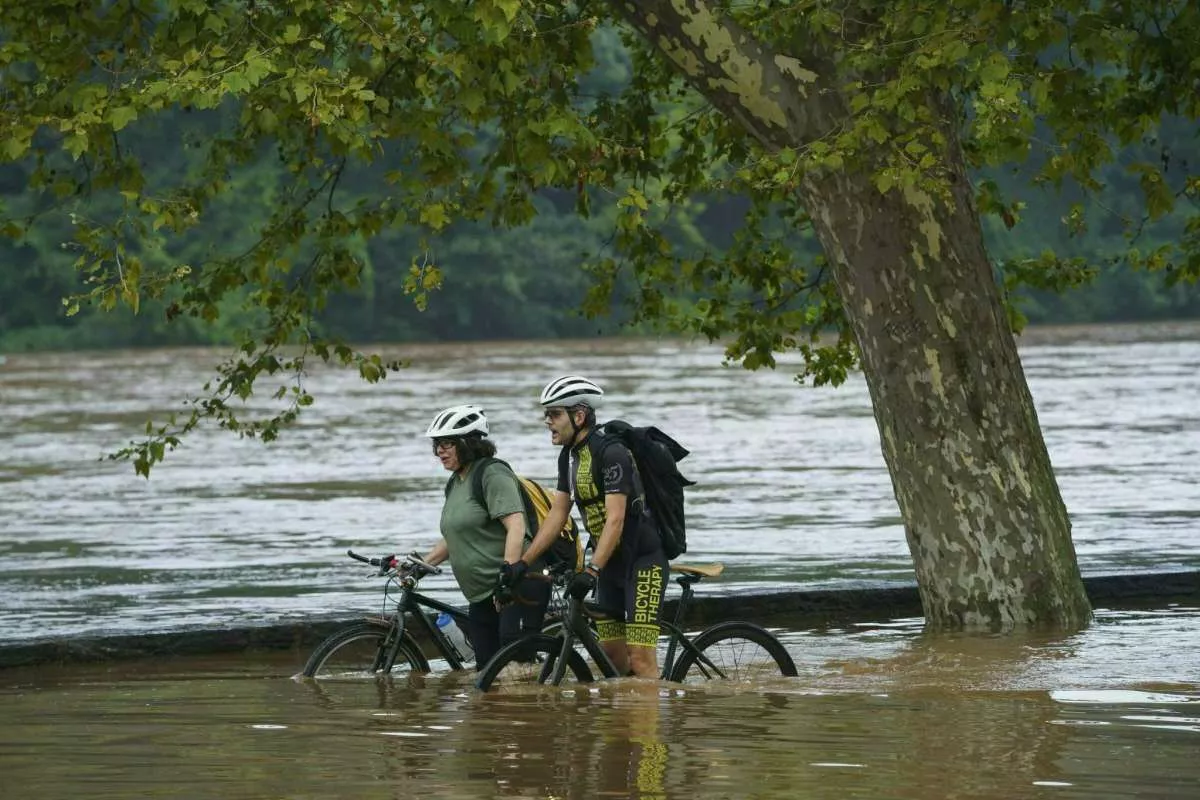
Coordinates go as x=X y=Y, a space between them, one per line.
x=483 y=537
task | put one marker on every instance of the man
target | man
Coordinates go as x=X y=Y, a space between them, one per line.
x=628 y=568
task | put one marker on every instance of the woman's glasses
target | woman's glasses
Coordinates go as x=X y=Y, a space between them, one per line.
x=442 y=444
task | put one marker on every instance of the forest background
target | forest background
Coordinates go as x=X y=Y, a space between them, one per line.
x=528 y=282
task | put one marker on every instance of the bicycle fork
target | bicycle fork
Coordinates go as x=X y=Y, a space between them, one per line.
x=576 y=629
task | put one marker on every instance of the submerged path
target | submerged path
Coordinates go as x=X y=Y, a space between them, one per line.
x=790 y=608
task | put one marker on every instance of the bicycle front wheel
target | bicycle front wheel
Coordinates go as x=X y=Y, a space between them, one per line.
x=360 y=650
x=737 y=651
x=531 y=660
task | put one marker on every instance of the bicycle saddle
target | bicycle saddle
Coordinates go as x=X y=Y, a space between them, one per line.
x=699 y=570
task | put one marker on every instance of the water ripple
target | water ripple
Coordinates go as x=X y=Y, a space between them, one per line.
x=792 y=486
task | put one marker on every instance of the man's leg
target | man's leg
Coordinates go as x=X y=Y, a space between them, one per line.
x=645 y=589
x=610 y=595
x=617 y=652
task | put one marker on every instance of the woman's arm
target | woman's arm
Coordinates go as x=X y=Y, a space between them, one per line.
x=438 y=554
x=514 y=529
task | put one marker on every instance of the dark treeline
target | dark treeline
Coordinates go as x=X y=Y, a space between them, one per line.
x=526 y=282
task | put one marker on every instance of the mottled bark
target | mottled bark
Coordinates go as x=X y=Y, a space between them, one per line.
x=988 y=531
x=986 y=525
x=779 y=99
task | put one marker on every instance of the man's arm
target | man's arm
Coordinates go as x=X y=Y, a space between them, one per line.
x=552 y=525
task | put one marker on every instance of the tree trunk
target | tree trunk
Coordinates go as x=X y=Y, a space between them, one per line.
x=985 y=522
x=986 y=525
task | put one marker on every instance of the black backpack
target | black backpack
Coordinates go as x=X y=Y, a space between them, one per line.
x=655 y=454
x=567 y=547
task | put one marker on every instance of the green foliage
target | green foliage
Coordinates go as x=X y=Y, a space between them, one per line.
x=281 y=175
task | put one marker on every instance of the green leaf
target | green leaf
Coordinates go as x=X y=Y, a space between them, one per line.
x=257 y=68
x=121 y=116
x=509 y=8
x=995 y=69
x=76 y=143
x=885 y=181
x=471 y=99
x=434 y=215
x=15 y=148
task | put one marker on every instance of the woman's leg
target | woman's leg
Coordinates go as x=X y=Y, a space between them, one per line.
x=527 y=612
x=485 y=631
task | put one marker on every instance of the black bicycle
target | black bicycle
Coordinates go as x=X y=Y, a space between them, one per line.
x=385 y=645
x=735 y=650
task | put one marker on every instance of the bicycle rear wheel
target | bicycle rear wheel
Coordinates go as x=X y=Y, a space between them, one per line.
x=530 y=660
x=358 y=650
x=737 y=651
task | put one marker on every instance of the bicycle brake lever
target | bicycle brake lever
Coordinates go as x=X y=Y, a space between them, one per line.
x=416 y=559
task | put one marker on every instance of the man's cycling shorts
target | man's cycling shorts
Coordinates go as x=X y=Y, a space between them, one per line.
x=633 y=592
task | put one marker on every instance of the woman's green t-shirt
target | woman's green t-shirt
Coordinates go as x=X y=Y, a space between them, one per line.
x=474 y=534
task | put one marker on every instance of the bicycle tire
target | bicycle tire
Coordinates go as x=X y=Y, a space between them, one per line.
x=741 y=651
x=353 y=651
x=530 y=661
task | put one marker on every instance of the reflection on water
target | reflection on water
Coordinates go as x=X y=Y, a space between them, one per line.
x=792 y=487
x=903 y=716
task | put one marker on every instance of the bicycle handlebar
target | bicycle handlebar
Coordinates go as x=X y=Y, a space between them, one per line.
x=390 y=562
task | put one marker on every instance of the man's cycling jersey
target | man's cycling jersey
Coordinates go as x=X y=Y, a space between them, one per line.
x=619 y=475
x=633 y=583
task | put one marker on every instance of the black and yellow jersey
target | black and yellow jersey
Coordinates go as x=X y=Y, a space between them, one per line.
x=587 y=482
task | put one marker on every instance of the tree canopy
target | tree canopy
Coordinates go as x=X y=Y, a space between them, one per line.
x=445 y=114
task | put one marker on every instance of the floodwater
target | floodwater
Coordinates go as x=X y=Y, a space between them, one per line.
x=793 y=493
x=792 y=489
x=878 y=711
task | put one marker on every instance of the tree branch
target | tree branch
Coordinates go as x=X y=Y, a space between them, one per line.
x=780 y=101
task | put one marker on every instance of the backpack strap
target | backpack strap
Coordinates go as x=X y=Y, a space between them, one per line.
x=476 y=477
x=602 y=441
x=609 y=434
x=477 y=491
x=523 y=489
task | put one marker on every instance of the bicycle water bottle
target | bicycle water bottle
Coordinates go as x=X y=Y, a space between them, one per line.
x=456 y=637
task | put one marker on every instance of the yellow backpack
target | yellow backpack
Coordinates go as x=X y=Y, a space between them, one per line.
x=568 y=547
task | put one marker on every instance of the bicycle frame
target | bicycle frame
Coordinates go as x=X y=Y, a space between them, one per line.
x=576 y=628
x=414 y=603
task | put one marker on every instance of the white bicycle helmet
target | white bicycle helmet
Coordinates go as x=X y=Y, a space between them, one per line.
x=571 y=390
x=458 y=421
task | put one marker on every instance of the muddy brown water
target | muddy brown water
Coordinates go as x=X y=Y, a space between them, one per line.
x=878 y=711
